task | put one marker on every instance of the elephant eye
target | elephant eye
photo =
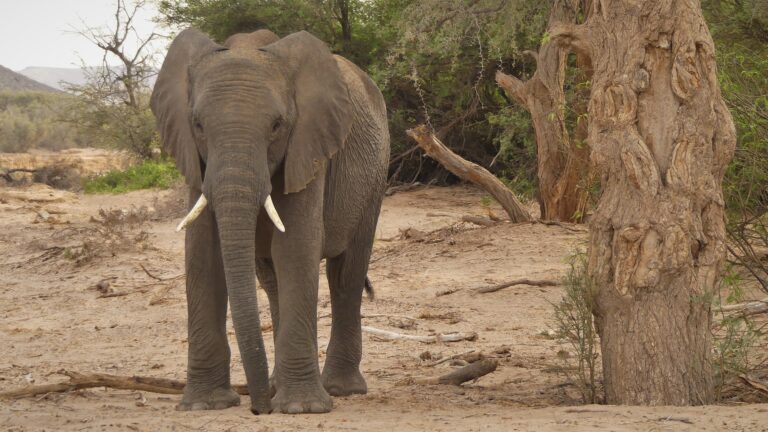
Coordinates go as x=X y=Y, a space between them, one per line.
x=198 y=126
x=276 y=125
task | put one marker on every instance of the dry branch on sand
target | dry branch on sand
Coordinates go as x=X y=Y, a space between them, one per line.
x=79 y=381
x=447 y=337
x=755 y=384
x=478 y=220
x=469 y=372
x=747 y=308
x=470 y=172
x=469 y=357
x=503 y=285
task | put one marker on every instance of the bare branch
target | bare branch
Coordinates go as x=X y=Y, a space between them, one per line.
x=513 y=87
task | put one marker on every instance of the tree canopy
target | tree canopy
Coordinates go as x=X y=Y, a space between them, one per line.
x=435 y=62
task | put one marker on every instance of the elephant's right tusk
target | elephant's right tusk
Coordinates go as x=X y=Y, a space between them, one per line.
x=272 y=213
x=194 y=213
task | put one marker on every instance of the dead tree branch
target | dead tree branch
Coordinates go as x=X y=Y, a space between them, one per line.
x=447 y=337
x=747 y=308
x=79 y=381
x=469 y=372
x=501 y=286
x=469 y=171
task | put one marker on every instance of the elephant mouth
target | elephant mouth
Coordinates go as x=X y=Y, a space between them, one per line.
x=202 y=202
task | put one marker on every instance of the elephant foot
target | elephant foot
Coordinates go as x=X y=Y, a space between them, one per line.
x=302 y=399
x=344 y=383
x=216 y=399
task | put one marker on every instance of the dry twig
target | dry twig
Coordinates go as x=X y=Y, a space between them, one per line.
x=478 y=220
x=78 y=381
x=757 y=385
x=501 y=286
x=469 y=357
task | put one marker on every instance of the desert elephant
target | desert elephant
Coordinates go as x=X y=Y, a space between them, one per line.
x=285 y=149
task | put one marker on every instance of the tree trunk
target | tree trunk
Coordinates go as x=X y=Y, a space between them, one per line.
x=561 y=165
x=660 y=137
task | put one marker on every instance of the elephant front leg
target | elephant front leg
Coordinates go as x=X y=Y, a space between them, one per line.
x=208 y=385
x=296 y=256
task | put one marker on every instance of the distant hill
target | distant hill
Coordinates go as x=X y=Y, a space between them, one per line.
x=10 y=80
x=53 y=76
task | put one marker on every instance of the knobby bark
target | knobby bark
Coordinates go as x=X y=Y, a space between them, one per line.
x=561 y=163
x=660 y=137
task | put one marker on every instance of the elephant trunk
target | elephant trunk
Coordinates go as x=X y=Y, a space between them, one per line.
x=236 y=202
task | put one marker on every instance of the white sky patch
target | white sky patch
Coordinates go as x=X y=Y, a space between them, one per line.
x=42 y=32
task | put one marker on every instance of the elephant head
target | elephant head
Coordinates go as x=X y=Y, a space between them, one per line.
x=234 y=119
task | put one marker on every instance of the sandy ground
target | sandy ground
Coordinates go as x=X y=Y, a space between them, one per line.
x=86 y=160
x=54 y=252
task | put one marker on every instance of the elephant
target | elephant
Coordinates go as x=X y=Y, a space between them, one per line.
x=284 y=147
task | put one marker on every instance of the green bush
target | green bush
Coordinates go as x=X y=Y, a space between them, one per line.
x=147 y=175
x=575 y=326
x=32 y=120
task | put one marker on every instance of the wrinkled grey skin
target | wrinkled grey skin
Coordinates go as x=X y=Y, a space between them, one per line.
x=284 y=117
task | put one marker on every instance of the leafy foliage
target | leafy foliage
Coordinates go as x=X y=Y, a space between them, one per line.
x=348 y=26
x=740 y=29
x=435 y=59
x=146 y=175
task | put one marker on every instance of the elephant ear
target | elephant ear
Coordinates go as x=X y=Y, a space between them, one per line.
x=323 y=118
x=170 y=101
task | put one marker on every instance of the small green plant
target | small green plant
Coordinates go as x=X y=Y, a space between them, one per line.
x=146 y=175
x=739 y=340
x=575 y=326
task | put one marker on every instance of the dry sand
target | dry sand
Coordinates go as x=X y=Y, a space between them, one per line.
x=52 y=318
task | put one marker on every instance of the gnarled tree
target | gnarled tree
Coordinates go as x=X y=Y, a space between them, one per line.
x=660 y=137
x=561 y=164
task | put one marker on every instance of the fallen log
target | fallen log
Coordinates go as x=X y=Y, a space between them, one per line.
x=747 y=308
x=501 y=286
x=447 y=337
x=469 y=171
x=79 y=381
x=6 y=173
x=459 y=376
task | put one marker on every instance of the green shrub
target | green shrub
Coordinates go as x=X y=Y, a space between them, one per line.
x=147 y=175
x=32 y=120
x=575 y=326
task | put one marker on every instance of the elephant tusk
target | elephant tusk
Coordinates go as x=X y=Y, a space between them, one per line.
x=272 y=213
x=194 y=213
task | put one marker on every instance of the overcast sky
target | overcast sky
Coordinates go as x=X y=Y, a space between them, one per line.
x=40 y=32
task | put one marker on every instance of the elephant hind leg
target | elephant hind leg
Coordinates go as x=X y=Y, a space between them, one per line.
x=347 y=279
x=265 y=272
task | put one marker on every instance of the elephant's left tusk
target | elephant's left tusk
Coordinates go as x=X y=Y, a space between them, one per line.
x=194 y=213
x=272 y=213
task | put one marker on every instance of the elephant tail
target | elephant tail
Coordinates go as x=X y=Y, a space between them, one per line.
x=369 y=288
